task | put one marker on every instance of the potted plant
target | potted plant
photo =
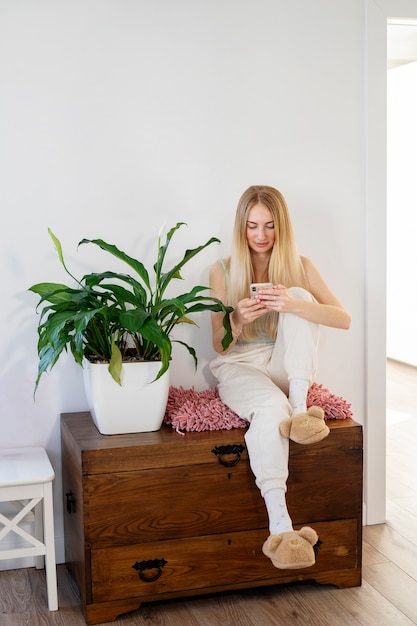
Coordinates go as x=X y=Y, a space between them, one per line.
x=117 y=322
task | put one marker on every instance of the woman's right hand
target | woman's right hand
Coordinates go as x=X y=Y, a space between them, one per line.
x=247 y=311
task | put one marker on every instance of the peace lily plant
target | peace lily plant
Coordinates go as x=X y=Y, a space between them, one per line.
x=111 y=317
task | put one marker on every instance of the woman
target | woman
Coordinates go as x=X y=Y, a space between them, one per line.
x=265 y=373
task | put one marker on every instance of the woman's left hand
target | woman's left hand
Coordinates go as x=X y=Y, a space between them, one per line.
x=278 y=299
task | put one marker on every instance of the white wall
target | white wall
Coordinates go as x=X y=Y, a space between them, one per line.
x=117 y=116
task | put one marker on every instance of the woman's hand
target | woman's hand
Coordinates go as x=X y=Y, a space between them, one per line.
x=247 y=311
x=278 y=298
x=324 y=309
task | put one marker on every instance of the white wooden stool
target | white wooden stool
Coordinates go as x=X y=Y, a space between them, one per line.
x=26 y=476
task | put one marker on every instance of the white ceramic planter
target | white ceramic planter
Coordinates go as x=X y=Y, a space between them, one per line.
x=137 y=405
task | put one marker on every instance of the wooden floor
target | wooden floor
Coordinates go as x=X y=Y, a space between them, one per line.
x=388 y=595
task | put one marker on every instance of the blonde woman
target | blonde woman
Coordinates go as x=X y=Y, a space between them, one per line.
x=265 y=374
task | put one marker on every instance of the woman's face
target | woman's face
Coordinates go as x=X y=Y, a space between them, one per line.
x=260 y=231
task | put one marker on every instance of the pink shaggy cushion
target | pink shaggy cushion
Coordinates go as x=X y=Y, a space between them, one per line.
x=190 y=410
x=334 y=407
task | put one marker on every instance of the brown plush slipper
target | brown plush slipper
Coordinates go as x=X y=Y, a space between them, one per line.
x=305 y=428
x=292 y=550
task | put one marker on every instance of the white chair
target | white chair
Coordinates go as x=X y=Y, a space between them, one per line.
x=26 y=476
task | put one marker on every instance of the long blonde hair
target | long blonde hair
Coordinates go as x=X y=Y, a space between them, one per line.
x=285 y=265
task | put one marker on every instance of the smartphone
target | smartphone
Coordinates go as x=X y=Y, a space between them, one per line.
x=256 y=287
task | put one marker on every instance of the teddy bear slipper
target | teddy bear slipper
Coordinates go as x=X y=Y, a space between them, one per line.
x=305 y=428
x=292 y=550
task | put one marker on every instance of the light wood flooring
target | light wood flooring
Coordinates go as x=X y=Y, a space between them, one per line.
x=388 y=595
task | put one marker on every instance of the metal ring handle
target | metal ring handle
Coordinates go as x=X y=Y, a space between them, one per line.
x=152 y=564
x=222 y=451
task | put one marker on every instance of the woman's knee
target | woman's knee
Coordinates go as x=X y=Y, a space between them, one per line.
x=300 y=293
x=268 y=417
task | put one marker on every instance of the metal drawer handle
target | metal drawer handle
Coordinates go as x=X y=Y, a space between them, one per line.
x=223 y=451
x=70 y=502
x=152 y=564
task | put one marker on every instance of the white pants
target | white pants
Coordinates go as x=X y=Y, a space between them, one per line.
x=254 y=382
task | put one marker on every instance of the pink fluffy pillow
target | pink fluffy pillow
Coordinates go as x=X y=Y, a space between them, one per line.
x=334 y=407
x=190 y=410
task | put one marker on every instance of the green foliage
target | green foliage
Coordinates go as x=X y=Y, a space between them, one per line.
x=112 y=316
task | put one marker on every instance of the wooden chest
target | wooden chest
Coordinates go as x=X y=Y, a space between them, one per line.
x=158 y=515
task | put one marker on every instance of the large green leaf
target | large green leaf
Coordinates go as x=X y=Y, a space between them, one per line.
x=119 y=254
x=116 y=362
x=175 y=271
x=167 y=308
x=58 y=248
x=162 y=252
x=138 y=291
x=134 y=319
x=190 y=350
x=151 y=331
x=43 y=289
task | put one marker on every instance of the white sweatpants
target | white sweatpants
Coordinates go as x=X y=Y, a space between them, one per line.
x=254 y=382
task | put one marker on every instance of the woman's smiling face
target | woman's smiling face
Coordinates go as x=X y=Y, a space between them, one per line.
x=260 y=231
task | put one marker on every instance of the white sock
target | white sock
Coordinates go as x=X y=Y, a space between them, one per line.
x=298 y=395
x=279 y=519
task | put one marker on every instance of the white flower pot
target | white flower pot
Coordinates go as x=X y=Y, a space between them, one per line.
x=136 y=406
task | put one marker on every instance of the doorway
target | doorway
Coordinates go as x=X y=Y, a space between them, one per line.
x=401 y=189
x=401 y=255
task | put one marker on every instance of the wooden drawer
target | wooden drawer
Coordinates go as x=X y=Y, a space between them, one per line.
x=125 y=507
x=182 y=502
x=231 y=561
x=101 y=454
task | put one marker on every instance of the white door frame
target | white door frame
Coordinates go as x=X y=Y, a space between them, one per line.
x=376 y=16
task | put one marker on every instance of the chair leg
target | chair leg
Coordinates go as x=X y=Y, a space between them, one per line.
x=49 y=539
x=38 y=532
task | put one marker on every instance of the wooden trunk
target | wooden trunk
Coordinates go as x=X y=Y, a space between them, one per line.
x=159 y=515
